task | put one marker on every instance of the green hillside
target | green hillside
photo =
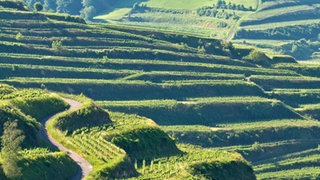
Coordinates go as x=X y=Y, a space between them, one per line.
x=275 y=26
x=295 y=23
x=29 y=157
x=196 y=107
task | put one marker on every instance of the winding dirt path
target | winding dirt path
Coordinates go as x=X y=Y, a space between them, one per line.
x=84 y=167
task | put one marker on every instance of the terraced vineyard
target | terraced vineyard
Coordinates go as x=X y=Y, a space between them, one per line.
x=201 y=91
x=290 y=27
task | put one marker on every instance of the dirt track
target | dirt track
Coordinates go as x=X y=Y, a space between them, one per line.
x=84 y=166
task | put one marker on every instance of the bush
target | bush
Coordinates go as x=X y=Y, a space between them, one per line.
x=57 y=45
x=19 y=36
x=256 y=146
x=38 y=6
x=258 y=57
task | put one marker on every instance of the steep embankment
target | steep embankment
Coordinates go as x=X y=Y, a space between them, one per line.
x=85 y=166
x=31 y=158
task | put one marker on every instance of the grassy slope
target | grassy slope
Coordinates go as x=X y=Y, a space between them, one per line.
x=179 y=4
x=27 y=106
x=186 y=22
x=276 y=20
x=271 y=21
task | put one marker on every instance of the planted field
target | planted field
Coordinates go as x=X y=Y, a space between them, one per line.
x=205 y=111
x=193 y=163
x=180 y=4
x=273 y=147
x=297 y=22
x=271 y=82
x=296 y=97
x=133 y=90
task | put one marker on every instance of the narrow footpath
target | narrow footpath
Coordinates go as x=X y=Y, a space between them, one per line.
x=84 y=166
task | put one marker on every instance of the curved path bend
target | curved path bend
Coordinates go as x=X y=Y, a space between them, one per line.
x=84 y=166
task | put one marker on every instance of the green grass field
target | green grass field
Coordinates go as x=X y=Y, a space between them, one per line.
x=193 y=4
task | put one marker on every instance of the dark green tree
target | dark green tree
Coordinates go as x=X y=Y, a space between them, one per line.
x=11 y=139
x=69 y=6
x=38 y=6
x=88 y=13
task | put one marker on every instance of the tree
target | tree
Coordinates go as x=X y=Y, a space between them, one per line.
x=50 y=5
x=69 y=6
x=258 y=57
x=11 y=139
x=88 y=13
x=219 y=3
x=38 y=6
x=87 y=3
x=62 y=6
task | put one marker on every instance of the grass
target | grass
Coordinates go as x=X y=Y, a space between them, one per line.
x=308 y=173
x=41 y=163
x=83 y=144
x=272 y=82
x=179 y=4
x=205 y=111
x=187 y=23
x=193 y=4
x=188 y=165
x=121 y=89
x=278 y=11
x=25 y=106
x=228 y=135
x=280 y=24
x=97 y=144
x=115 y=15
x=243 y=126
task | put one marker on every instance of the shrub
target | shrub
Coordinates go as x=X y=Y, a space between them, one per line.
x=258 y=57
x=38 y=6
x=19 y=36
x=256 y=146
x=57 y=45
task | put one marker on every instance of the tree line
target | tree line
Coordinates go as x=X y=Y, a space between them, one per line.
x=85 y=8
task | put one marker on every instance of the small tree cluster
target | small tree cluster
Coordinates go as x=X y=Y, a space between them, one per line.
x=11 y=139
x=217 y=13
x=88 y=11
x=258 y=57
x=221 y=4
x=57 y=45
